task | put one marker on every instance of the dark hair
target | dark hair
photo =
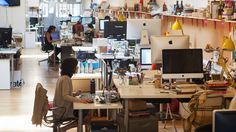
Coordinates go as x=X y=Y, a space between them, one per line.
x=68 y=66
x=79 y=22
x=107 y=18
x=51 y=28
x=90 y=25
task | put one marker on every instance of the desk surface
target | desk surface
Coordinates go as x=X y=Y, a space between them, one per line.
x=118 y=56
x=148 y=91
x=86 y=76
x=9 y=50
x=81 y=106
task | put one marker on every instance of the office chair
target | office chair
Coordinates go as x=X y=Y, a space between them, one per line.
x=201 y=107
x=43 y=111
x=44 y=49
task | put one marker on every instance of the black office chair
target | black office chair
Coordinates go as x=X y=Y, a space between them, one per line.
x=44 y=48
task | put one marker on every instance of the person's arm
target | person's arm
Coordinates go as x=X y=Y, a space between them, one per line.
x=48 y=37
x=67 y=95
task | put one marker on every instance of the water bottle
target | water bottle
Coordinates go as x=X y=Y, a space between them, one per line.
x=91 y=67
x=92 y=86
x=81 y=67
x=86 y=67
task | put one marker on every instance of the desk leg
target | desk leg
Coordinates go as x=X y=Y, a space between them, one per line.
x=12 y=71
x=126 y=118
x=80 y=121
x=54 y=50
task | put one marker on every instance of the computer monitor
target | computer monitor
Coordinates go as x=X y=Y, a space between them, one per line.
x=55 y=35
x=104 y=74
x=87 y=20
x=158 y=43
x=5 y=37
x=33 y=21
x=145 y=58
x=101 y=24
x=115 y=29
x=224 y=121
x=182 y=63
x=135 y=27
x=75 y=19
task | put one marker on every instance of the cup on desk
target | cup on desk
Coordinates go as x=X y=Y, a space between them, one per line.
x=157 y=81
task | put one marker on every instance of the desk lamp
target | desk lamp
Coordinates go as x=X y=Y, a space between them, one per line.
x=228 y=45
x=177 y=26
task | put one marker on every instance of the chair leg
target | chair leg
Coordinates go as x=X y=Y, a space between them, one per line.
x=55 y=129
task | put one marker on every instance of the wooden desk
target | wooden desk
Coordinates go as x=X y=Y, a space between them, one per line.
x=147 y=91
x=82 y=106
x=11 y=52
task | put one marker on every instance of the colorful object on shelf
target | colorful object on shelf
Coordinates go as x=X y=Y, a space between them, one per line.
x=177 y=26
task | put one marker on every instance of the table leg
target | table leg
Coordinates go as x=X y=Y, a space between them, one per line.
x=80 y=121
x=12 y=71
x=126 y=116
x=54 y=59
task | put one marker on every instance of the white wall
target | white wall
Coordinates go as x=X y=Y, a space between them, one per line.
x=14 y=16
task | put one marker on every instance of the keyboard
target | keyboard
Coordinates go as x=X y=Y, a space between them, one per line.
x=86 y=96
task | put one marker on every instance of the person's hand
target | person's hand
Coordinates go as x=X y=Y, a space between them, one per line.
x=76 y=93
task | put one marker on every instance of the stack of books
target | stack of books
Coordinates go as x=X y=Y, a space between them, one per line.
x=217 y=85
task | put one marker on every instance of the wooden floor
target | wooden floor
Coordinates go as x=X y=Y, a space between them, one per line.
x=16 y=105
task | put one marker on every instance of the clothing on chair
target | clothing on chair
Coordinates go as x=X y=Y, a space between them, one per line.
x=40 y=105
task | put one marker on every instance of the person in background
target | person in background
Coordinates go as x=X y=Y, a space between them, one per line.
x=78 y=28
x=49 y=45
x=89 y=34
x=107 y=18
x=64 y=97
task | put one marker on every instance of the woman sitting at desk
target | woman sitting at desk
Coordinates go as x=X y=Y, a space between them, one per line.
x=63 y=96
x=49 y=45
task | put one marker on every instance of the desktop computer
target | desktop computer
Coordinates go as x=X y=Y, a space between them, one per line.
x=145 y=58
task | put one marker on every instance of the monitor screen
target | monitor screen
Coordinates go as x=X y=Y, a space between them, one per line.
x=75 y=18
x=104 y=74
x=145 y=58
x=13 y=2
x=115 y=29
x=55 y=35
x=182 y=63
x=5 y=36
x=87 y=20
x=158 y=43
x=135 y=27
x=3 y=3
x=101 y=24
x=224 y=121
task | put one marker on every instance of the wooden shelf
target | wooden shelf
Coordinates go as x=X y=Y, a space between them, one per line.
x=200 y=18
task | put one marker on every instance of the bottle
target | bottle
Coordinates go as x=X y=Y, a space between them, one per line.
x=181 y=7
x=81 y=67
x=78 y=67
x=91 y=67
x=86 y=67
x=164 y=8
x=177 y=10
x=92 y=86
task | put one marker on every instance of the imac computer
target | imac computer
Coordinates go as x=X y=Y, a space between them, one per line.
x=158 y=43
x=5 y=37
x=101 y=24
x=182 y=63
x=115 y=29
x=224 y=121
x=145 y=58
x=136 y=26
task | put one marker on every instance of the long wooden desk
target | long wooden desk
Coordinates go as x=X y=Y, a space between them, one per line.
x=147 y=91
x=11 y=52
x=90 y=106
